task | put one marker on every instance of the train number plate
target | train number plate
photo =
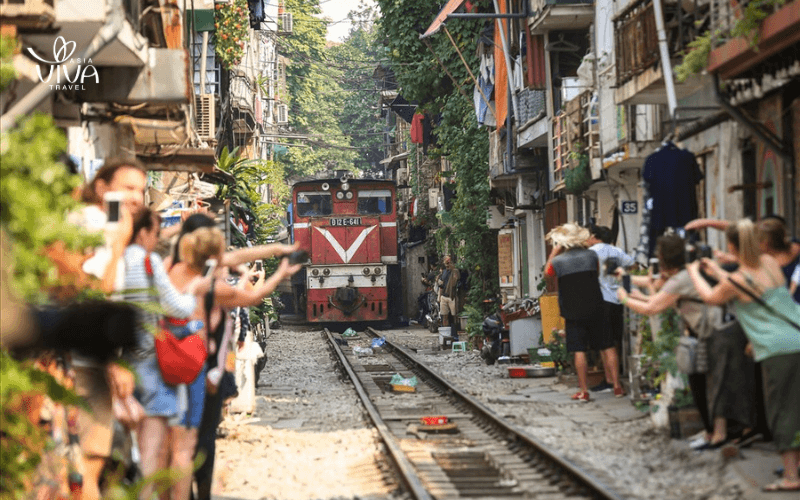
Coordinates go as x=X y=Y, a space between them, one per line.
x=345 y=221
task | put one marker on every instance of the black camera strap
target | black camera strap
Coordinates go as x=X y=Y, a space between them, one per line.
x=763 y=304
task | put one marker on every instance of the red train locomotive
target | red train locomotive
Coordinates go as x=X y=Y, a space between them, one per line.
x=349 y=228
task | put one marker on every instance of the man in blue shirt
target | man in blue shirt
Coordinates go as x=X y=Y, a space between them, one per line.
x=610 y=258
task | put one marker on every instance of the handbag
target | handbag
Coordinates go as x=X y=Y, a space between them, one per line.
x=686 y=355
x=180 y=360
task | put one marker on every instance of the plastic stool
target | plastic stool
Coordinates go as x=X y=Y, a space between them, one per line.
x=459 y=346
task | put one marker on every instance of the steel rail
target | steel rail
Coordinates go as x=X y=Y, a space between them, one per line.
x=409 y=475
x=587 y=479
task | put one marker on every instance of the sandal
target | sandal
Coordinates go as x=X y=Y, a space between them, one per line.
x=581 y=396
x=779 y=486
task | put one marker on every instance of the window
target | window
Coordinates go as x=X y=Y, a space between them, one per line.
x=377 y=201
x=310 y=204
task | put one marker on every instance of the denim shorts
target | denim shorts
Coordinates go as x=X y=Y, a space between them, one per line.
x=157 y=397
x=190 y=413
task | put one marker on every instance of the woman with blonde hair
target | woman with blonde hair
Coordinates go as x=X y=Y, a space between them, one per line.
x=194 y=249
x=769 y=318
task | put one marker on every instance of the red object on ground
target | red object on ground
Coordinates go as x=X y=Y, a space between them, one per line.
x=438 y=420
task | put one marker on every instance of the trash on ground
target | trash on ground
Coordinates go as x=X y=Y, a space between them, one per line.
x=349 y=333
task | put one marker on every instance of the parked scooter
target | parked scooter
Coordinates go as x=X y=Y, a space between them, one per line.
x=428 y=304
x=496 y=344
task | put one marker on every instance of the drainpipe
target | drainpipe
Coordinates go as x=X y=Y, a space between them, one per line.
x=108 y=32
x=666 y=65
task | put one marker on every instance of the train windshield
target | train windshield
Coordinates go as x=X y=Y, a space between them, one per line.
x=375 y=201
x=313 y=203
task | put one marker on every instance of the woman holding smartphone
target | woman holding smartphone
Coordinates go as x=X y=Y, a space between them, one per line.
x=675 y=289
x=195 y=249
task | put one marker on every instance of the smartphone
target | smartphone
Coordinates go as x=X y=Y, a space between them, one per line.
x=654 y=268
x=210 y=266
x=259 y=266
x=626 y=282
x=298 y=257
x=113 y=202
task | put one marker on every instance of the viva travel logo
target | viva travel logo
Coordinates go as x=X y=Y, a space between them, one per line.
x=62 y=57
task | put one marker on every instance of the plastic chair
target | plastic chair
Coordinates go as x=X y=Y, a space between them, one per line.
x=459 y=346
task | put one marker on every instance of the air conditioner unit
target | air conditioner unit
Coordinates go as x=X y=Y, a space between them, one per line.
x=285 y=22
x=205 y=117
x=282 y=114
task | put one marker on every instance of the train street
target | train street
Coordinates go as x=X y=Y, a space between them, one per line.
x=310 y=437
x=399 y=249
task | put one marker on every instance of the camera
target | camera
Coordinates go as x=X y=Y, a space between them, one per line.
x=298 y=257
x=695 y=250
x=612 y=264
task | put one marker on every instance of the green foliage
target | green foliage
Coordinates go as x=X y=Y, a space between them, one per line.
x=746 y=26
x=21 y=442
x=696 y=59
x=578 y=178
x=315 y=95
x=558 y=350
x=7 y=71
x=249 y=176
x=659 y=354
x=466 y=145
x=232 y=32
x=35 y=197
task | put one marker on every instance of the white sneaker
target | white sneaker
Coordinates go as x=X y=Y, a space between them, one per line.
x=697 y=443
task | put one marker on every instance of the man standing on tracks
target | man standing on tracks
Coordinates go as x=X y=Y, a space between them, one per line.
x=447 y=288
x=579 y=296
x=610 y=257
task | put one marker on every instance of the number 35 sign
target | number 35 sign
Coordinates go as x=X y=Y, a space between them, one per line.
x=630 y=207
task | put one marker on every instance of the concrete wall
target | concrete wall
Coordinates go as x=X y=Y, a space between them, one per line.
x=721 y=145
x=410 y=276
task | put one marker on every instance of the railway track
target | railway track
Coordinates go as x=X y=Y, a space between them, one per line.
x=478 y=455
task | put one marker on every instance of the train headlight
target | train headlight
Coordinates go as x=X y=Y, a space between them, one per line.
x=349 y=195
x=315 y=272
x=365 y=271
x=378 y=270
x=345 y=186
x=340 y=195
x=326 y=272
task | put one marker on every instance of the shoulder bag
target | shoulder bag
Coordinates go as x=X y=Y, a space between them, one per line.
x=180 y=360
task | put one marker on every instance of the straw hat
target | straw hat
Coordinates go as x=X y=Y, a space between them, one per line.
x=569 y=235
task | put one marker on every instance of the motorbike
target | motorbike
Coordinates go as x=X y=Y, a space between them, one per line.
x=428 y=304
x=496 y=344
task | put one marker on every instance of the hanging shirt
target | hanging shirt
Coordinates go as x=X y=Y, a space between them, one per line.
x=672 y=174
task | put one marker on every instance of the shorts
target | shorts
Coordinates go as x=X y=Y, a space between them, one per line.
x=158 y=398
x=195 y=400
x=96 y=426
x=190 y=407
x=587 y=335
x=447 y=306
x=612 y=322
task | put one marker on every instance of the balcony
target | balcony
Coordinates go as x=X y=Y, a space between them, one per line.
x=575 y=133
x=532 y=131
x=638 y=64
x=778 y=32
x=28 y=14
x=550 y=15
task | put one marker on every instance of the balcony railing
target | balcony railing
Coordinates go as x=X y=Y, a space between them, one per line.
x=575 y=133
x=636 y=38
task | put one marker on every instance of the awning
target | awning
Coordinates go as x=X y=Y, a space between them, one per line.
x=448 y=9
x=395 y=158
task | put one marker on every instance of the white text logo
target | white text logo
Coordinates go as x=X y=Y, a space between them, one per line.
x=62 y=55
